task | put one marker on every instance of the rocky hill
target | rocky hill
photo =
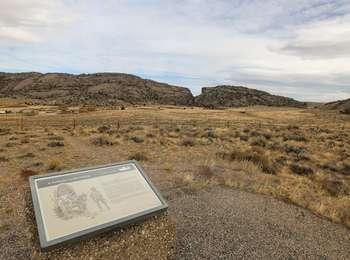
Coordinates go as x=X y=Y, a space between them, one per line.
x=92 y=89
x=232 y=96
x=341 y=105
x=108 y=89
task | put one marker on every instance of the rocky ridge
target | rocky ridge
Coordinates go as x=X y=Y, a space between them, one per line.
x=113 y=89
x=237 y=96
x=102 y=89
x=342 y=105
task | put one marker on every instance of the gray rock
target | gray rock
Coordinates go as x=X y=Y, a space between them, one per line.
x=233 y=96
x=103 y=89
x=342 y=105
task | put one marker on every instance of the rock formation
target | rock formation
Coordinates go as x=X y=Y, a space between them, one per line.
x=94 y=89
x=342 y=105
x=232 y=96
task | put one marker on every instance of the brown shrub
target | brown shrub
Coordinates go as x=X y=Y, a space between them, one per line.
x=138 y=156
x=292 y=127
x=300 y=169
x=87 y=108
x=104 y=128
x=55 y=144
x=205 y=171
x=27 y=155
x=4 y=131
x=26 y=173
x=293 y=149
x=302 y=157
x=150 y=135
x=258 y=141
x=25 y=140
x=331 y=166
x=56 y=138
x=134 y=128
x=333 y=187
x=137 y=139
x=294 y=137
x=3 y=159
x=244 y=138
x=345 y=168
x=209 y=134
x=188 y=141
x=267 y=135
x=37 y=164
x=274 y=146
x=10 y=144
x=102 y=140
x=254 y=133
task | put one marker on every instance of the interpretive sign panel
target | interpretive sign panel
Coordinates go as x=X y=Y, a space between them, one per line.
x=69 y=205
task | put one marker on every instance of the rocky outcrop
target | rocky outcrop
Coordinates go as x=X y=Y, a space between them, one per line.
x=232 y=96
x=342 y=105
x=109 y=89
x=102 y=89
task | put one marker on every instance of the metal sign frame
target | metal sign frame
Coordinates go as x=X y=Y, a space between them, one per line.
x=77 y=236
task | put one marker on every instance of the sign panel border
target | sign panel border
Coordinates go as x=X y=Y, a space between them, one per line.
x=77 y=236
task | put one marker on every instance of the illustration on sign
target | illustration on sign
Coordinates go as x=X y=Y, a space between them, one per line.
x=68 y=204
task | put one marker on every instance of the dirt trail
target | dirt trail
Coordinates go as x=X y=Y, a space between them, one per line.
x=81 y=155
x=230 y=224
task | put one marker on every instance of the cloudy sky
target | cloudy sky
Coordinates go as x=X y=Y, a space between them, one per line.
x=298 y=48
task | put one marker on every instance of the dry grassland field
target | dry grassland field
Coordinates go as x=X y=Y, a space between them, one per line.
x=300 y=156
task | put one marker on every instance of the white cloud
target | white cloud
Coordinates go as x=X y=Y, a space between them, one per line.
x=322 y=40
x=298 y=48
x=17 y=34
x=27 y=20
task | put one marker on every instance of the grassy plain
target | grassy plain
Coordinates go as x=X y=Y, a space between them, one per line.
x=301 y=156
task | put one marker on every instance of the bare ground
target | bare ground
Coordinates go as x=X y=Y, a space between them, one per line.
x=223 y=223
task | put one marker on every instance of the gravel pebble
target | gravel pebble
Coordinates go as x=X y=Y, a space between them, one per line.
x=230 y=224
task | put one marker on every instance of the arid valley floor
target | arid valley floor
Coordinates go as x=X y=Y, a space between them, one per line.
x=298 y=156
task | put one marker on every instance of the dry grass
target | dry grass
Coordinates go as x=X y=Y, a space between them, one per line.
x=297 y=155
x=54 y=164
x=254 y=155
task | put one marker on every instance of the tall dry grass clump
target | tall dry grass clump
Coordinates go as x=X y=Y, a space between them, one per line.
x=254 y=155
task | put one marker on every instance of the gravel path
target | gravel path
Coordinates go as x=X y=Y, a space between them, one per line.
x=230 y=224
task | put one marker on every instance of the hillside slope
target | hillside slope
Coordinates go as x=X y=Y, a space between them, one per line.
x=232 y=96
x=341 y=105
x=108 y=89
x=95 y=89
